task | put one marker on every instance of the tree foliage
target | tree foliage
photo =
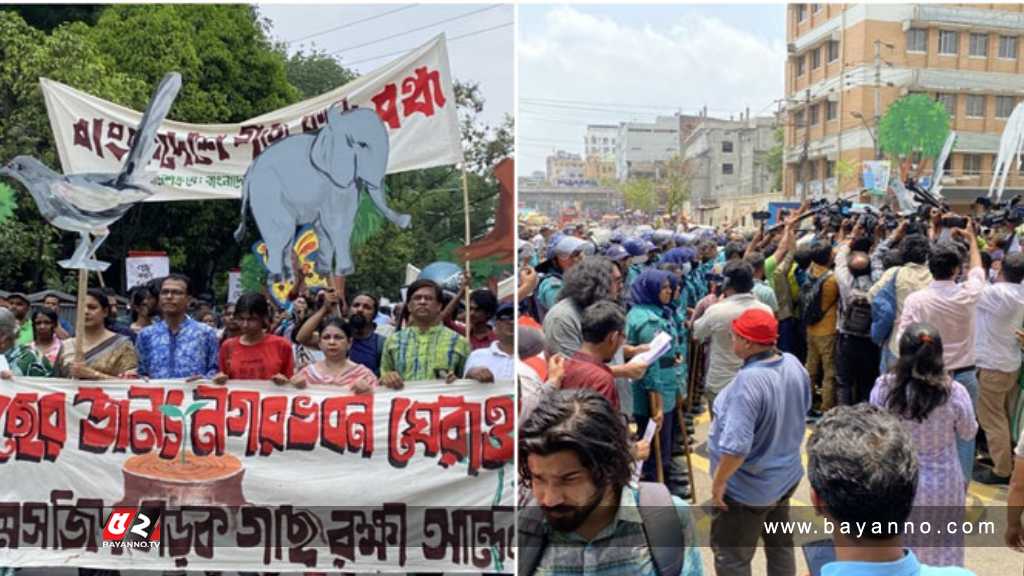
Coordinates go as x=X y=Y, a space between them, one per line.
x=639 y=194
x=315 y=73
x=914 y=123
x=774 y=159
x=677 y=190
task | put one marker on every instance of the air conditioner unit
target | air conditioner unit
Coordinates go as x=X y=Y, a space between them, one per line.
x=791 y=48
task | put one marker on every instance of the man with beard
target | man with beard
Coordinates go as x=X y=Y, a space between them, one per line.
x=585 y=515
x=367 y=345
x=496 y=361
x=426 y=349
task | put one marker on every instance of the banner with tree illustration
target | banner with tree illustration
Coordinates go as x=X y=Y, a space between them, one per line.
x=251 y=476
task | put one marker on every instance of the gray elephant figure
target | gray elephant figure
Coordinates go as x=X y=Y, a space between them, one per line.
x=313 y=178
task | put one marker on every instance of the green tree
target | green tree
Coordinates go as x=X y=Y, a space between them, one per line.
x=774 y=159
x=677 y=190
x=315 y=73
x=639 y=194
x=914 y=123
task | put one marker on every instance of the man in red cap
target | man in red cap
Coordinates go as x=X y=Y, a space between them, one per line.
x=754 y=444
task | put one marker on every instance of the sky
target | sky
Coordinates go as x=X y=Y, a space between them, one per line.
x=484 y=55
x=591 y=64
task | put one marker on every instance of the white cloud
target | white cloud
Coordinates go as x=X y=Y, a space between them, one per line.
x=693 y=61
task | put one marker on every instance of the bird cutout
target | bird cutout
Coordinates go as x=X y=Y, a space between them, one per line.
x=88 y=204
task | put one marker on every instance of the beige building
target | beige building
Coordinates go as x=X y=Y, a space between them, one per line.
x=599 y=169
x=565 y=169
x=968 y=56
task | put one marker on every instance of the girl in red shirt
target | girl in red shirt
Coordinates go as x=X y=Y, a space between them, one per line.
x=255 y=355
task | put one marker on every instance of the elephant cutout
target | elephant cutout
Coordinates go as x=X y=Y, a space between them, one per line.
x=313 y=178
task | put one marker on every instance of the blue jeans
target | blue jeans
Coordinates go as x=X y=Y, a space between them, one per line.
x=887 y=359
x=965 y=448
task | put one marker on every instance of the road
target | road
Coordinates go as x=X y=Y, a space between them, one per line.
x=984 y=503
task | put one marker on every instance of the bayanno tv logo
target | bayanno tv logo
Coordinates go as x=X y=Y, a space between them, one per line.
x=132 y=528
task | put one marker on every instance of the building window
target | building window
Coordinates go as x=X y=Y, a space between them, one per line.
x=949 y=101
x=726 y=168
x=948 y=166
x=833 y=50
x=726 y=146
x=830 y=169
x=948 y=42
x=817 y=7
x=812 y=171
x=972 y=164
x=800 y=65
x=831 y=110
x=1007 y=46
x=798 y=118
x=801 y=12
x=816 y=58
x=917 y=40
x=1004 y=106
x=979 y=45
x=814 y=114
x=975 y=106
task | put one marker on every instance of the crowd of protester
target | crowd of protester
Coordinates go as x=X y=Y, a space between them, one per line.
x=907 y=331
x=316 y=338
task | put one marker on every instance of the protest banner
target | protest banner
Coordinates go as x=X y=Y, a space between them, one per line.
x=141 y=267
x=413 y=96
x=254 y=477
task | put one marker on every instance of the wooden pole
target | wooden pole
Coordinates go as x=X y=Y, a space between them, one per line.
x=657 y=443
x=83 y=287
x=469 y=278
x=681 y=416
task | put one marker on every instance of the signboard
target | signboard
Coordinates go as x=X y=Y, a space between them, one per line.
x=251 y=476
x=412 y=95
x=141 y=267
x=875 y=176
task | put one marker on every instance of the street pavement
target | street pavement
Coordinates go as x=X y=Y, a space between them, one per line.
x=984 y=503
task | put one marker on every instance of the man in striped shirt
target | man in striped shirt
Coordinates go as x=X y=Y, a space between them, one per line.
x=426 y=350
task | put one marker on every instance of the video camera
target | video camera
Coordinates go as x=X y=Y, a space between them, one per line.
x=997 y=214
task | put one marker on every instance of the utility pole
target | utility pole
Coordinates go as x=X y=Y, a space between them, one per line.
x=807 y=144
x=878 y=95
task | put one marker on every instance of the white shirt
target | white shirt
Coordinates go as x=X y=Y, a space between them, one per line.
x=1000 y=315
x=716 y=323
x=501 y=365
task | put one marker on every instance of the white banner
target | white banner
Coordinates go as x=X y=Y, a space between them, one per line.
x=413 y=96
x=142 y=269
x=270 y=478
x=234 y=286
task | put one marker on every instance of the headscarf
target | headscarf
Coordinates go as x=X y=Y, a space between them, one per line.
x=646 y=287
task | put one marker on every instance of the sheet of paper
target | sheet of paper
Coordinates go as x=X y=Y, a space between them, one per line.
x=661 y=344
x=652 y=427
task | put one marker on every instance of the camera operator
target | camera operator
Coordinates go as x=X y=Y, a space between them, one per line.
x=858 y=357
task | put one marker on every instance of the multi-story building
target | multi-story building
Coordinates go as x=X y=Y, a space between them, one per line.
x=643 y=148
x=599 y=169
x=599 y=141
x=727 y=169
x=564 y=168
x=967 y=56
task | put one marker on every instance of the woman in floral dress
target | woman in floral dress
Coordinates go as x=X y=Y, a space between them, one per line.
x=936 y=411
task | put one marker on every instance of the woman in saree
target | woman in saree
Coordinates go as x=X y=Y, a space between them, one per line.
x=108 y=355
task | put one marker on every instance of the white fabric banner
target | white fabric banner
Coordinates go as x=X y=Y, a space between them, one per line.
x=413 y=95
x=142 y=269
x=234 y=286
x=271 y=478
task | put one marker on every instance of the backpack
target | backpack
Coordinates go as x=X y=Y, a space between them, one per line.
x=810 y=299
x=883 y=312
x=857 y=316
x=661 y=527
